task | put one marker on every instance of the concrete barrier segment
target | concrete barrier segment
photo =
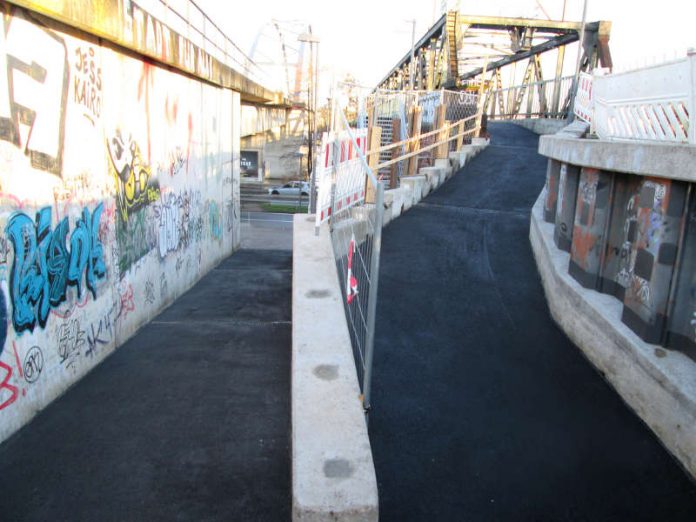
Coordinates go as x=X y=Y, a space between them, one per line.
x=446 y=165
x=415 y=183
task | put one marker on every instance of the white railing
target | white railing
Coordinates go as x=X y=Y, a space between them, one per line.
x=656 y=103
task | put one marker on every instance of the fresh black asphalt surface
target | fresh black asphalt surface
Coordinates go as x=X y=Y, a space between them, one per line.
x=189 y=420
x=483 y=410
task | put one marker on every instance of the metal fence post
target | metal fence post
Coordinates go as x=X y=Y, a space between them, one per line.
x=372 y=300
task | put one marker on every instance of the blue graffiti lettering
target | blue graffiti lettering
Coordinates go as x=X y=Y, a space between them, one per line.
x=43 y=267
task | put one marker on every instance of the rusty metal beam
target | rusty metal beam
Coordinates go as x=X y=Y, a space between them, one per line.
x=537 y=49
x=504 y=23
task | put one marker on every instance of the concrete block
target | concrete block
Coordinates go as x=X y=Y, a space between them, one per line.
x=389 y=201
x=416 y=184
x=433 y=175
x=446 y=166
x=397 y=196
x=469 y=152
x=333 y=475
x=407 y=191
x=387 y=217
x=457 y=159
x=660 y=385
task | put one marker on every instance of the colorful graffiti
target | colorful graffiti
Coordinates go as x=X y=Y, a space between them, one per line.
x=100 y=173
x=135 y=187
x=43 y=267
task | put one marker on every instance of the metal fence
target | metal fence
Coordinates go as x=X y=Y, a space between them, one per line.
x=189 y=20
x=350 y=195
x=393 y=113
x=351 y=200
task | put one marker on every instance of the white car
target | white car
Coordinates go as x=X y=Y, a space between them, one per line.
x=292 y=188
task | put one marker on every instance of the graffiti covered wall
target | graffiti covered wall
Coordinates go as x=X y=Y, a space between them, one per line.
x=119 y=189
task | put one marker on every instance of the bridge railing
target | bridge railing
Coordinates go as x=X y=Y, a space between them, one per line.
x=186 y=18
x=545 y=99
x=655 y=103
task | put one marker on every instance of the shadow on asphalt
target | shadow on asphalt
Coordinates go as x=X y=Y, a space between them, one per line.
x=188 y=420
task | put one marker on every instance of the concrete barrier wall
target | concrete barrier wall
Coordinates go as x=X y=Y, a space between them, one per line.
x=629 y=233
x=616 y=252
x=333 y=475
x=119 y=189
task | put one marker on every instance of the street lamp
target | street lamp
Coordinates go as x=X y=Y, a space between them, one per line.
x=312 y=110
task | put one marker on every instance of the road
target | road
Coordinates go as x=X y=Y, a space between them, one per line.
x=482 y=408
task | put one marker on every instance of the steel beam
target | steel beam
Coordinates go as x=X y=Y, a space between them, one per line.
x=537 y=49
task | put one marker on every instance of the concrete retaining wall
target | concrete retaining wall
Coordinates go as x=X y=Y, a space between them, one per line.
x=659 y=385
x=119 y=190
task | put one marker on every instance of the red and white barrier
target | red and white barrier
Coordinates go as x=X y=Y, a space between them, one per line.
x=340 y=168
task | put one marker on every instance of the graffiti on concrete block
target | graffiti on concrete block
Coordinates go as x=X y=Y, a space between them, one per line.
x=215 y=220
x=44 y=267
x=150 y=292
x=87 y=78
x=8 y=392
x=163 y=287
x=134 y=238
x=169 y=223
x=71 y=341
x=136 y=188
x=33 y=364
x=126 y=302
x=100 y=333
x=34 y=91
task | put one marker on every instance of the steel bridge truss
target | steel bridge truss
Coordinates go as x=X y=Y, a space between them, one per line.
x=463 y=52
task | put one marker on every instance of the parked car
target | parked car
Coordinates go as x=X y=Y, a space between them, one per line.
x=292 y=188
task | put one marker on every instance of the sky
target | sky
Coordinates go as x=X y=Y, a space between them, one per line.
x=366 y=38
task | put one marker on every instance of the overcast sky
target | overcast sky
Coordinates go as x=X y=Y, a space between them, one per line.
x=368 y=37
